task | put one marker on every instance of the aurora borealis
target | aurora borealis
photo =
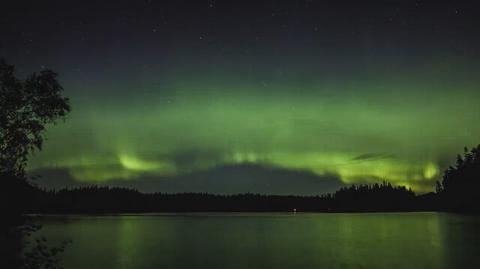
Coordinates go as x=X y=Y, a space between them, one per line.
x=168 y=89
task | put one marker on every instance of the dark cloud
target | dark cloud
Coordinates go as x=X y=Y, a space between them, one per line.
x=54 y=178
x=188 y=159
x=371 y=156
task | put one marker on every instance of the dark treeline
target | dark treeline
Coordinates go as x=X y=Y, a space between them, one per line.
x=95 y=199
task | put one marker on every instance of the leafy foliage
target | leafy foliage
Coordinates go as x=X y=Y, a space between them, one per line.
x=39 y=255
x=26 y=107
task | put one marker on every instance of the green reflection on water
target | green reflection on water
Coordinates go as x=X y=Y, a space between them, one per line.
x=405 y=240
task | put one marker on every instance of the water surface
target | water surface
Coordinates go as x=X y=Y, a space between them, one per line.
x=267 y=240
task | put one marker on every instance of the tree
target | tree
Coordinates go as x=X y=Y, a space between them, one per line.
x=460 y=187
x=26 y=107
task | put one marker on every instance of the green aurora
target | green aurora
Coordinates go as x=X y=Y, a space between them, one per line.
x=397 y=127
x=358 y=91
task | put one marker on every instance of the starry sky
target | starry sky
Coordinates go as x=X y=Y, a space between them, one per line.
x=284 y=97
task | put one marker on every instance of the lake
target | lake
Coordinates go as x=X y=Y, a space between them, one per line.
x=267 y=240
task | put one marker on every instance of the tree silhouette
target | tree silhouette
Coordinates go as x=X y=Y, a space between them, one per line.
x=26 y=107
x=459 y=190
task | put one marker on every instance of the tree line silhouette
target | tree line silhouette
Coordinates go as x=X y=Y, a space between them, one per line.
x=101 y=199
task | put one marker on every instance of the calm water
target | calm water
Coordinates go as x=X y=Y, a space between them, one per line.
x=405 y=240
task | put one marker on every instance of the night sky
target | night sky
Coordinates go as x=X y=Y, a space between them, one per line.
x=282 y=97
